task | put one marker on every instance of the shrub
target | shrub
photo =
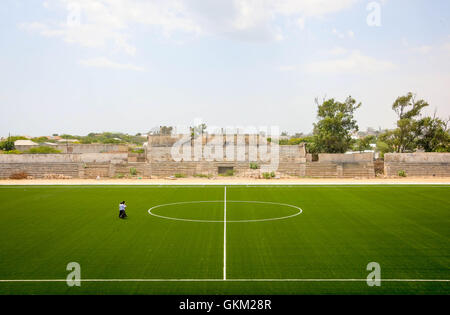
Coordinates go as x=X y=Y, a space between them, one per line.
x=120 y=176
x=12 y=152
x=202 y=175
x=180 y=175
x=7 y=145
x=229 y=173
x=133 y=171
x=402 y=173
x=254 y=166
x=268 y=175
x=19 y=175
x=43 y=150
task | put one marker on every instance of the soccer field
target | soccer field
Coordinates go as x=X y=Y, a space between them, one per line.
x=225 y=240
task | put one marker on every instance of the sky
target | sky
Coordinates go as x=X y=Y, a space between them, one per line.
x=80 y=66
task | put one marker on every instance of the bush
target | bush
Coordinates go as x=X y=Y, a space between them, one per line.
x=180 y=175
x=254 y=166
x=20 y=175
x=120 y=176
x=12 y=152
x=268 y=175
x=402 y=173
x=229 y=173
x=133 y=171
x=202 y=175
x=43 y=150
x=7 y=145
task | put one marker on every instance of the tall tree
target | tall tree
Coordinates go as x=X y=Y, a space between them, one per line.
x=408 y=110
x=333 y=131
x=198 y=130
x=165 y=130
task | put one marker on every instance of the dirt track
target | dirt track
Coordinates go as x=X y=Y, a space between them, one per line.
x=229 y=181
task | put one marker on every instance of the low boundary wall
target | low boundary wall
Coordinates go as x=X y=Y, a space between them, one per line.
x=417 y=164
x=68 y=165
x=342 y=166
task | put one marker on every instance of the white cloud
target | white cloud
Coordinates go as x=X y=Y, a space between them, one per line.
x=354 y=63
x=301 y=23
x=337 y=51
x=342 y=35
x=105 y=23
x=308 y=7
x=287 y=68
x=447 y=47
x=103 y=62
x=424 y=49
x=108 y=22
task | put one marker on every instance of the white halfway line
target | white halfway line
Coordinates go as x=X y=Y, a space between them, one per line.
x=225 y=234
x=227 y=280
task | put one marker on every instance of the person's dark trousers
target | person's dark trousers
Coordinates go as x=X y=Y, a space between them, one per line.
x=122 y=214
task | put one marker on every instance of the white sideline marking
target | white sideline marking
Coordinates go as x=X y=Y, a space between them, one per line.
x=225 y=235
x=225 y=280
x=249 y=184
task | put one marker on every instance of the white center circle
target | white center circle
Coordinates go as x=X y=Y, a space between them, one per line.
x=299 y=211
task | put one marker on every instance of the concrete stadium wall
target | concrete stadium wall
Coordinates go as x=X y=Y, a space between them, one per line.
x=63 y=158
x=358 y=165
x=91 y=148
x=292 y=162
x=419 y=157
x=417 y=164
x=87 y=165
x=346 y=158
x=40 y=170
x=81 y=148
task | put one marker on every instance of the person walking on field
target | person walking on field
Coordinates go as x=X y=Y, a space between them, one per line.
x=122 y=213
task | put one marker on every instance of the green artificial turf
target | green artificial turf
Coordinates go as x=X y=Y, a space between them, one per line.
x=406 y=229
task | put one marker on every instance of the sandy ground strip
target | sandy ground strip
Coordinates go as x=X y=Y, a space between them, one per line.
x=233 y=181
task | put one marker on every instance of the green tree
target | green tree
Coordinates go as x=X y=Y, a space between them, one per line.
x=385 y=142
x=198 y=130
x=363 y=144
x=40 y=139
x=165 y=130
x=433 y=135
x=332 y=133
x=408 y=110
x=7 y=145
